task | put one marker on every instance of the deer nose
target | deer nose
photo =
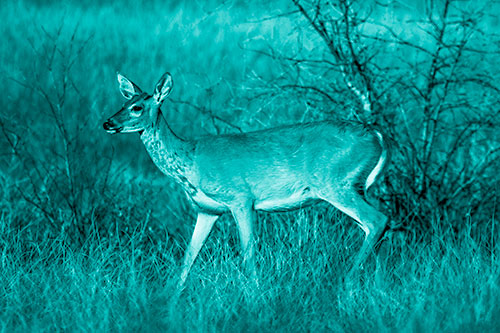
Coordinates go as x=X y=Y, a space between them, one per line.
x=107 y=125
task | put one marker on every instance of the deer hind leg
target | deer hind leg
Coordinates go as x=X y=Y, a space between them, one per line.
x=368 y=218
x=204 y=224
x=245 y=218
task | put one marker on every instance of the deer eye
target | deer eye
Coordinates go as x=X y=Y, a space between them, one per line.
x=137 y=108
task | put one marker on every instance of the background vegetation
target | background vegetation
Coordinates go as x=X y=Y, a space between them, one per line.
x=91 y=234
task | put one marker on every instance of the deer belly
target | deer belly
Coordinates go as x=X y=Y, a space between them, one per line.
x=284 y=203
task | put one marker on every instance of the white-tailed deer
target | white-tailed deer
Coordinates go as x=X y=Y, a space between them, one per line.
x=277 y=169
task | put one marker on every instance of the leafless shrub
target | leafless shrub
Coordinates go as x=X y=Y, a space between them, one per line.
x=429 y=83
x=57 y=172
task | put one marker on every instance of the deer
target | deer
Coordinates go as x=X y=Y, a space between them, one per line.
x=272 y=170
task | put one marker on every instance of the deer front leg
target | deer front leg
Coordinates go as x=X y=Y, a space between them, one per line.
x=204 y=224
x=245 y=217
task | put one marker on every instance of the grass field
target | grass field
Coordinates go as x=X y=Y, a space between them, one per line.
x=92 y=235
x=126 y=284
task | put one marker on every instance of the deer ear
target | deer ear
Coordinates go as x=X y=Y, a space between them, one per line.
x=127 y=87
x=163 y=88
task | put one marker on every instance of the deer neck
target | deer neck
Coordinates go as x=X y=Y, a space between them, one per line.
x=171 y=154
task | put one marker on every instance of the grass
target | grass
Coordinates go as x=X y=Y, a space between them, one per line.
x=118 y=284
x=113 y=265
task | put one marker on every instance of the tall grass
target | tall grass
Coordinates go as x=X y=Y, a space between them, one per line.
x=120 y=283
x=91 y=234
